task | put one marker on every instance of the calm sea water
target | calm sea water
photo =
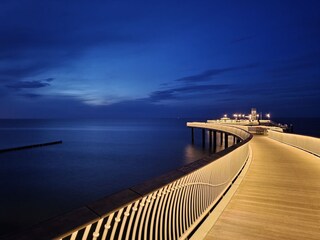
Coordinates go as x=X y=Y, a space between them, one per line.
x=97 y=158
x=304 y=126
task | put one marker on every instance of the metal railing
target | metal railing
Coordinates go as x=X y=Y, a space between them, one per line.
x=306 y=143
x=168 y=207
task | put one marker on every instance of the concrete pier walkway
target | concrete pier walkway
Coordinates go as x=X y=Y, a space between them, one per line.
x=279 y=198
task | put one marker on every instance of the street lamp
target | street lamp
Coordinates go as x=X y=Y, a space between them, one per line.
x=268 y=115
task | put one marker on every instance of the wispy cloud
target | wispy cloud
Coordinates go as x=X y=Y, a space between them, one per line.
x=303 y=65
x=208 y=75
x=49 y=79
x=30 y=95
x=181 y=92
x=33 y=44
x=205 y=76
x=29 y=84
x=193 y=86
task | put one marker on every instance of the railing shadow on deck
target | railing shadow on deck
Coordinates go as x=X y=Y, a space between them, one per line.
x=166 y=207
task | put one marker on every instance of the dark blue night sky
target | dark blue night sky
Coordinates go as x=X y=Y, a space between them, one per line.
x=61 y=59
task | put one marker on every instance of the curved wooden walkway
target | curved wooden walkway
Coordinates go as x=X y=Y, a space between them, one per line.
x=279 y=198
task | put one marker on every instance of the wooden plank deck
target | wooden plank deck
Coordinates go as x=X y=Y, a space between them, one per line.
x=279 y=198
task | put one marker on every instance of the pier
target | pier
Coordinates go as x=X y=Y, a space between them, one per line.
x=30 y=146
x=279 y=197
x=265 y=186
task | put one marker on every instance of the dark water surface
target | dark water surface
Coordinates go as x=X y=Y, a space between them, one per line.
x=303 y=126
x=97 y=158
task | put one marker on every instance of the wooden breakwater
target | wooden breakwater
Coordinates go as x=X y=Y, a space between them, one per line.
x=29 y=146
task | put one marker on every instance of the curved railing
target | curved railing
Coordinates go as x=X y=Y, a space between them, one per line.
x=306 y=143
x=239 y=131
x=168 y=207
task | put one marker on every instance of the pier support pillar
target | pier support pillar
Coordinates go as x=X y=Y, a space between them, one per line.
x=203 y=138
x=214 y=141
x=210 y=139
x=221 y=138
x=226 y=138
x=192 y=135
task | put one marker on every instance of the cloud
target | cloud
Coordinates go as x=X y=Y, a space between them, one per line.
x=31 y=95
x=13 y=72
x=209 y=74
x=204 y=76
x=200 y=93
x=162 y=95
x=275 y=90
x=28 y=85
x=182 y=92
x=33 y=41
x=297 y=67
x=190 y=87
x=49 y=79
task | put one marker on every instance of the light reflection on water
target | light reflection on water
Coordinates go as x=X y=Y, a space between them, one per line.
x=191 y=153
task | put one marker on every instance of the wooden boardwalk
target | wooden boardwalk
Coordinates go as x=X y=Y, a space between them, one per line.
x=279 y=198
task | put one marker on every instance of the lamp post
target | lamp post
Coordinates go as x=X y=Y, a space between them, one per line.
x=268 y=116
x=235 y=116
